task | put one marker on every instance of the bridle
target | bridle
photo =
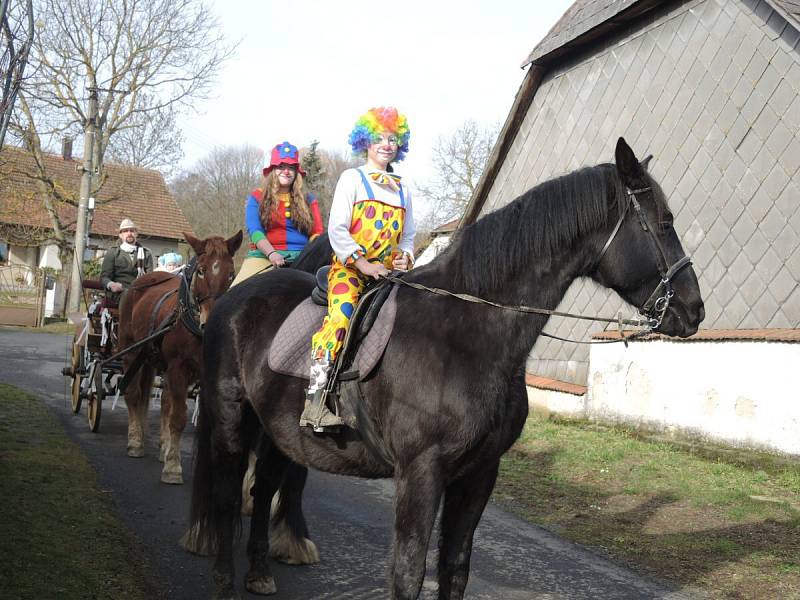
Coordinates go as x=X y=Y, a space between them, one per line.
x=188 y=303
x=657 y=303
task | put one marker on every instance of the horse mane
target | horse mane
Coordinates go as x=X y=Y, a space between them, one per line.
x=537 y=225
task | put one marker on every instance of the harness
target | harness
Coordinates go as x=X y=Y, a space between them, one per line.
x=188 y=306
x=187 y=310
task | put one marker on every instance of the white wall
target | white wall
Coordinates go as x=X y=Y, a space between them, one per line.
x=434 y=249
x=49 y=257
x=740 y=392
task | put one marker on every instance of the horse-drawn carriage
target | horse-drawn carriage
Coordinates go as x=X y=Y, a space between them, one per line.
x=94 y=368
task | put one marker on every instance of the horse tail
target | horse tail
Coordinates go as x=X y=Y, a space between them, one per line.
x=201 y=537
x=219 y=461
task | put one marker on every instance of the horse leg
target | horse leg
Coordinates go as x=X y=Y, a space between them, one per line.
x=270 y=468
x=464 y=502
x=228 y=463
x=137 y=399
x=173 y=412
x=419 y=490
x=289 y=541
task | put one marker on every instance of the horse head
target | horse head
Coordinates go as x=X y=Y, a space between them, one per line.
x=642 y=258
x=214 y=271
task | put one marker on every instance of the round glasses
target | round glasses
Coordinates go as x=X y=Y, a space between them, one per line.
x=390 y=140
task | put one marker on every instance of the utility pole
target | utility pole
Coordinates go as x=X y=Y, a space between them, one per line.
x=81 y=228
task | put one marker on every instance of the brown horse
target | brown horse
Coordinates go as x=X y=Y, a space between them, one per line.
x=182 y=304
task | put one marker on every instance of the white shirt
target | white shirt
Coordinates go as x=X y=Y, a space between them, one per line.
x=349 y=190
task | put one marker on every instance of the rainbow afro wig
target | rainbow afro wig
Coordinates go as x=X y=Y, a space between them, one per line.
x=377 y=121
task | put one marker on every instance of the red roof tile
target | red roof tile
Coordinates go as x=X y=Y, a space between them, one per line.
x=716 y=335
x=134 y=192
x=448 y=227
x=554 y=385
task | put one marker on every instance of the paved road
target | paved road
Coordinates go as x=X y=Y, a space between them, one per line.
x=349 y=519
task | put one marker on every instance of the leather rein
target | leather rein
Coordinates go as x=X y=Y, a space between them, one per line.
x=652 y=310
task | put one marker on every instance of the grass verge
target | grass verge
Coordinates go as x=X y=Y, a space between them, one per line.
x=53 y=327
x=724 y=523
x=59 y=534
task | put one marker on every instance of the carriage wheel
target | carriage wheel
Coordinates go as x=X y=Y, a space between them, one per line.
x=77 y=378
x=94 y=401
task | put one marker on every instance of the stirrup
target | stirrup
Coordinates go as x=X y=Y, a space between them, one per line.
x=317 y=415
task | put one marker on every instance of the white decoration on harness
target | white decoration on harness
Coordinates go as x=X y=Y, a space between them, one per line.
x=105 y=317
x=140 y=260
x=196 y=410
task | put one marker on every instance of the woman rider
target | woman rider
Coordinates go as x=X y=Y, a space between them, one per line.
x=371 y=230
x=280 y=218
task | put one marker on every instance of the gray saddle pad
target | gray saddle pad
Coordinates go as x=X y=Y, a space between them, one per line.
x=290 y=352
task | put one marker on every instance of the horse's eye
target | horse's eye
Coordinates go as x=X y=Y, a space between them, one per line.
x=201 y=272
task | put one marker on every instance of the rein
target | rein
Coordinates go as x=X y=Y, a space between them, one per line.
x=652 y=310
x=619 y=321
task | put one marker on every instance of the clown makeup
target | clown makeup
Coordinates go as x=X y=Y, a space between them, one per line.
x=286 y=175
x=383 y=151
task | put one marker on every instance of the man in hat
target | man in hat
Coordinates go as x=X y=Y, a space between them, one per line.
x=124 y=263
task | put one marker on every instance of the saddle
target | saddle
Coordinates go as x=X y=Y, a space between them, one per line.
x=370 y=326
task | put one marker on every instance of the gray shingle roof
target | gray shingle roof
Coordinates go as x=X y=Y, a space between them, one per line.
x=789 y=8
x=591 y=18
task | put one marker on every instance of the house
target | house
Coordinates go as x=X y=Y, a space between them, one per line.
x=440 y=239
x=26 y=228
x=711 y=88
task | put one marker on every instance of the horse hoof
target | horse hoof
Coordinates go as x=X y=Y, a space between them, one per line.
x=295 y=552
x=135 y=451
x=172 y=478
x=263 y=585
x=223 y=588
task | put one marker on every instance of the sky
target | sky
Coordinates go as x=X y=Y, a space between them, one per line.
x=306 y=69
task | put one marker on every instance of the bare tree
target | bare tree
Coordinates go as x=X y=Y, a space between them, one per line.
x=212 y=193
x=150 y=139
x=143 y=58
x=334 y=162
x=460 y=159
x=16 y=38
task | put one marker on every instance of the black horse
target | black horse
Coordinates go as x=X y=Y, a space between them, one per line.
x=289 y=541
x=447 y=398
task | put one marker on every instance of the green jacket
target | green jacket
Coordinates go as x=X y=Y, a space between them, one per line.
x=121 y=267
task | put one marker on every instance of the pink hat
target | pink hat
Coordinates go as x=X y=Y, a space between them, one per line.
x=284 y=154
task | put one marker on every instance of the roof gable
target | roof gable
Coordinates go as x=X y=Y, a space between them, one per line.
x=133 y=192
x=588 y=19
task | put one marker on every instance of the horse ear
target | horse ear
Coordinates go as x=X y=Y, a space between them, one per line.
x=198 y=246
x=627 y=163
x=646 y=161
x=234 y=242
